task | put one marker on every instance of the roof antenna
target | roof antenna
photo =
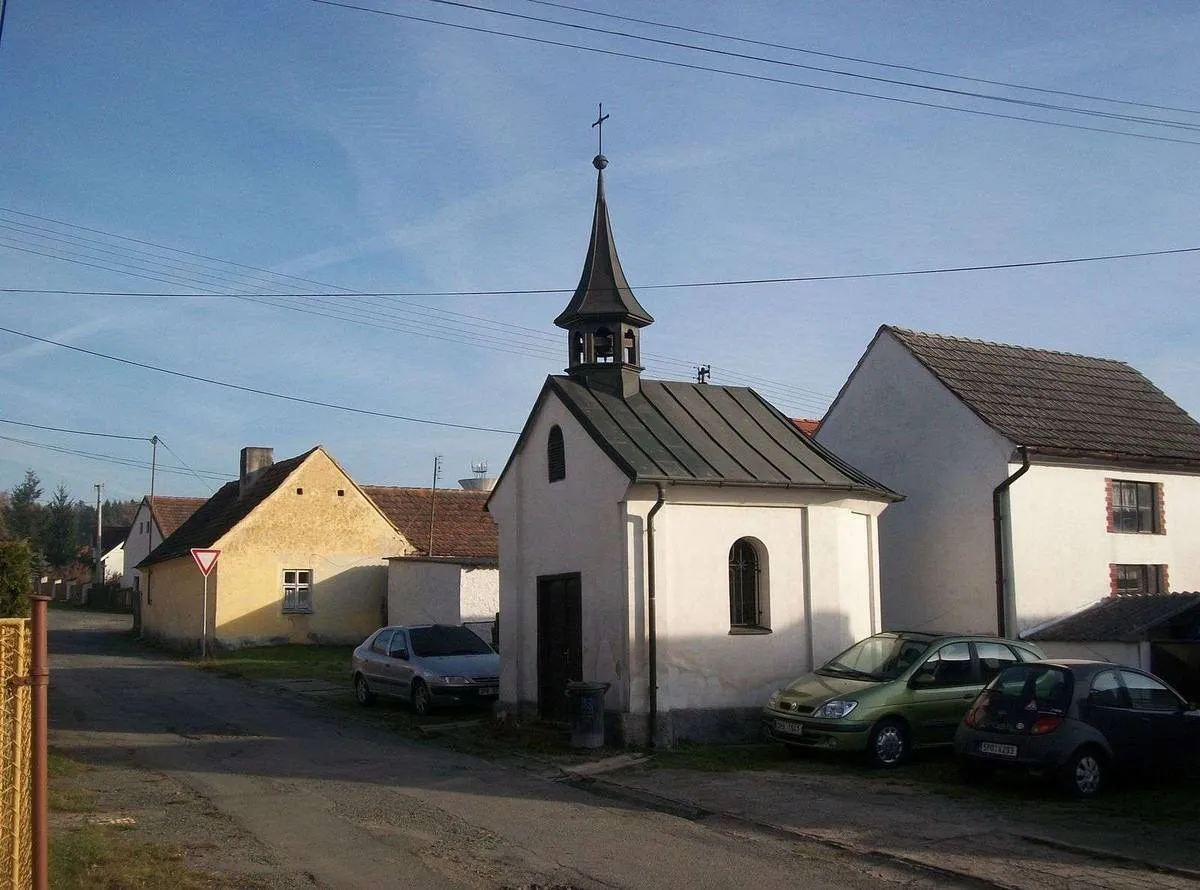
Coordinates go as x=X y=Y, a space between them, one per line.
x=703 y=373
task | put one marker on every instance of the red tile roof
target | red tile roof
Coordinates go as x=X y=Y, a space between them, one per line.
x=170 y=513
x=806 y=426
x=461 y=527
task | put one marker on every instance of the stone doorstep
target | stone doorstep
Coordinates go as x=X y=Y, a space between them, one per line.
x=676 y=806
x=606 y=765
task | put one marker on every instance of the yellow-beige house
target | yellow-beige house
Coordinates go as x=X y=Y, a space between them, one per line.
x=303 y=559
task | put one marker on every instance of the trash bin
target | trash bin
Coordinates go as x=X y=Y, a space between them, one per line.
x=585 y=705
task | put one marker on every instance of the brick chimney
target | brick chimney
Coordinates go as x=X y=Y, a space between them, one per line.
x=254 y=461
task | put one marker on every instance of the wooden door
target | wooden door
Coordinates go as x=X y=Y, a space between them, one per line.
x=560 y=642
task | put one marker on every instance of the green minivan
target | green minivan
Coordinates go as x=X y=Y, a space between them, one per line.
x=890 y=693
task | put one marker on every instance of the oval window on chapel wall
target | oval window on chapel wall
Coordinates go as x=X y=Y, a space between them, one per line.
x=556 y=456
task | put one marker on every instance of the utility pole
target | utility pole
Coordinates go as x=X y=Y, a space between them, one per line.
x=437 y=474
x=99 y=536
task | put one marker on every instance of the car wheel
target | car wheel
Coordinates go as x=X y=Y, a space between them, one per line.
x=362 y=692
x=889 y=744
x=1084 y=773
x=422 y=701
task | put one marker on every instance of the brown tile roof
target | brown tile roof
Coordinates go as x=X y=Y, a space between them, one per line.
x=1129 y=618
x=461 y=527
x=805 y=425
x=222 y=512
x=1058 y=403
x=170 y=513
x=112 y=536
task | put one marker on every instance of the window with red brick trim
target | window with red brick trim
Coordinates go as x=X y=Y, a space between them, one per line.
x=1130 y=579
x=1134 y=507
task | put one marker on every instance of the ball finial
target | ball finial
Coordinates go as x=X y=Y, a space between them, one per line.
x=599 y=162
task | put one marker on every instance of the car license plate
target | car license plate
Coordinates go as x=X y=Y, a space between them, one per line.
x=489 y=690
x=788 y=728
x=1001 y=750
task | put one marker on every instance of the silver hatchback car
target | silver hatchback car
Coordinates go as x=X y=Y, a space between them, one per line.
x=427 y=665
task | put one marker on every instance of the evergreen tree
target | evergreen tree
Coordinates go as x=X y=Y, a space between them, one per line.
x=23 y=515
x=60 y=530
x=16 y=578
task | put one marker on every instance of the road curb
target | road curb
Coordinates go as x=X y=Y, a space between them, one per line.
x=1111 y=856
x=688 y=810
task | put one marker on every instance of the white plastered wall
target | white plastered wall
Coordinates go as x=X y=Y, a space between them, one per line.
x=443 y=592
x=896 y=422
x=573 y=525
x=1062 y=548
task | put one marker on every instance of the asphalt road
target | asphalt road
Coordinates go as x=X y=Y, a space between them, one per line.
x=346 y=805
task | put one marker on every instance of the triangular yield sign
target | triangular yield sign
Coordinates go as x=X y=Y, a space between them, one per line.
x=205 y=559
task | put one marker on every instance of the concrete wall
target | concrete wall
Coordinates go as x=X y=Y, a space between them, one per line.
x=425 y=591
x=1062 y=548
x=1131 y=654
x=897 y=423
x=343 y=541
x=573 y=525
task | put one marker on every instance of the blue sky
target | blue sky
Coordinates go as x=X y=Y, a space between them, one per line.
x=370 y=153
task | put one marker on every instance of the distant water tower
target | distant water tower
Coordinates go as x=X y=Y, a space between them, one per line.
x=480 y=481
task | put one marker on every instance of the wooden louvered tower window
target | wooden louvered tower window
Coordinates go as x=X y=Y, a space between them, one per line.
x=556 y=456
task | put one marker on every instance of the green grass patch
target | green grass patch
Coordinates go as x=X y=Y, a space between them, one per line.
x=287 y=662
x=103 y=858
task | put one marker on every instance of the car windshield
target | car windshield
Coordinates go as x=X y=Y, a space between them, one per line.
x=879 y=658
x=443 y=639
x=1031 y=687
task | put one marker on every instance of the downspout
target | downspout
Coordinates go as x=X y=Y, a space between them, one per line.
x=652 y=616
x=998 y=518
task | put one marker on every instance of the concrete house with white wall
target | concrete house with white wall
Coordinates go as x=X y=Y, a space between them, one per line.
x=684 y=543
x=157 y=518
x=1036 y=482
x=451 y=574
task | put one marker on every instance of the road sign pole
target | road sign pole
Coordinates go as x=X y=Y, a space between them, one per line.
x=204 y=621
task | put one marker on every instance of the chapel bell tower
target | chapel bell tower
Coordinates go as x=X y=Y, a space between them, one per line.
x=604 y=318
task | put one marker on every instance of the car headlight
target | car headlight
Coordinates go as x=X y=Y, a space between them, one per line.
x=835 y=709
x=773 y=701
x=457 y=681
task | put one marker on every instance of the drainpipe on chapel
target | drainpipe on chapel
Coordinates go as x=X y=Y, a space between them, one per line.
x=651 y=615
x=1003 y=542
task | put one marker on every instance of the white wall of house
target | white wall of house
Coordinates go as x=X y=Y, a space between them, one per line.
x=1062 y=547
x=114 y=562
x=573 y=525
x=897 y=423
x=1130 y=654
x=441 y=591
x=143 y=537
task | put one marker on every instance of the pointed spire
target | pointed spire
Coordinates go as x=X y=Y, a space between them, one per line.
x=603 y=292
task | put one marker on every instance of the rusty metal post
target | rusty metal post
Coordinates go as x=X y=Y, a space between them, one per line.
x=40 y=675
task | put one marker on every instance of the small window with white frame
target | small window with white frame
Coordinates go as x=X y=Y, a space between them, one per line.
x=297 y=590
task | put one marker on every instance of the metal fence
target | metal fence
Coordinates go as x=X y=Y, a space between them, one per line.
x=16 y=731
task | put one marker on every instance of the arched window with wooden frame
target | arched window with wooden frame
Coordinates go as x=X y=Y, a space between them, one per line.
x=556 y=455
x=749 y=608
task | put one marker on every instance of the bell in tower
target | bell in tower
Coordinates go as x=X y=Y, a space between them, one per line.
x=604 y=318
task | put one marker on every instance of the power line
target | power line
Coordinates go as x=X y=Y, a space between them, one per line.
x=114 y=459
x=861 y=61
x=260 y=392
x=1068 y=109
x=184 y=463
x=483 y=337
x=757 y=77
x=738 y=282
x=58 y=429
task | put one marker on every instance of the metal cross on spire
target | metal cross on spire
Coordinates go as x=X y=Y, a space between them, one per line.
x=599 y=124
